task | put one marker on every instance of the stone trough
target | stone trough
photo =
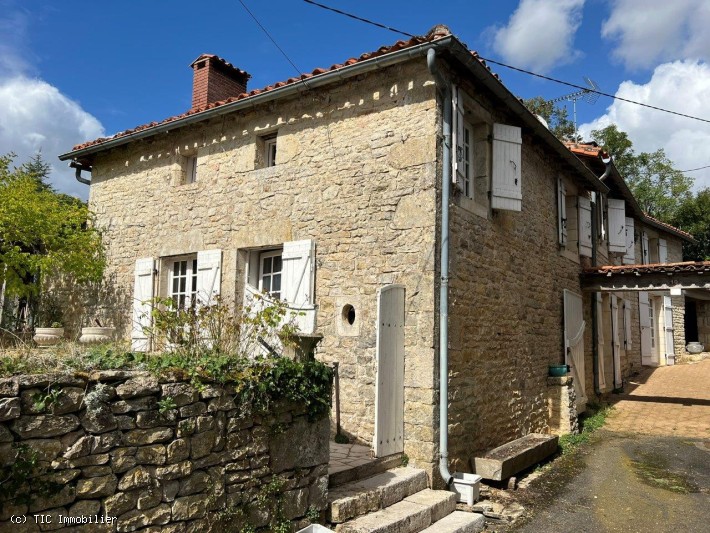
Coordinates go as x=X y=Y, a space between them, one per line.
x=507 y=460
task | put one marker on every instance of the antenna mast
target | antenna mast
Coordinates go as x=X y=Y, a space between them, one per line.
x=590 y=96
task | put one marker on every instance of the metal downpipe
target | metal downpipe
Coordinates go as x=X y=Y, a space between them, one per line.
x=77 y=174
x=444 y=287
x=595 y=318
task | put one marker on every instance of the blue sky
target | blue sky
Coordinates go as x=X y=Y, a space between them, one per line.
x=74 y=70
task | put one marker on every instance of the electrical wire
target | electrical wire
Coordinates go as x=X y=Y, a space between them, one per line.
x=350 y=15
x=548 y=78
x=298 y=71
x=694 y=169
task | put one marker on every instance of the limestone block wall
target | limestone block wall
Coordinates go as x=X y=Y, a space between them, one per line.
x=562 y=405
x=121 y=460
x=507 y=276
x=355 y=172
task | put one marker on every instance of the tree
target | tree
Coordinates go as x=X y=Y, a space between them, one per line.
x=42 y=233
x=693 y=216
x=658 y=187
x=555 y=116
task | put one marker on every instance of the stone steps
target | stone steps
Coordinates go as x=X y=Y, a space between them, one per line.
x=458 y=522
x=412 y=514
x=382 y=490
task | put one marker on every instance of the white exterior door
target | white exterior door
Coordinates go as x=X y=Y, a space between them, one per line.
x=646 y=322
x=389 y=390
x=668 y=330
x=574 y=344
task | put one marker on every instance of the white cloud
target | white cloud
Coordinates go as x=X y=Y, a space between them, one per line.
x=658 y=30
x=682 y=86
x=540 y=33
x=35 y=115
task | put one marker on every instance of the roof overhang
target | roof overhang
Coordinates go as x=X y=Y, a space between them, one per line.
x=448 y=44
x=653 y=277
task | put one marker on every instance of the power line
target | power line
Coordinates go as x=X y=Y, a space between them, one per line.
x=372 y=22
x=694 y=169
x=587 y=89
x=298 y=71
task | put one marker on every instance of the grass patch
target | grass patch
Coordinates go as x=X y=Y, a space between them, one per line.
x=589 y=422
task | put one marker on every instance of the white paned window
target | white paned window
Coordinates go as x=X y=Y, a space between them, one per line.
x=182 y=283
x=270 y=150
x=645 y=252
x=270 y=269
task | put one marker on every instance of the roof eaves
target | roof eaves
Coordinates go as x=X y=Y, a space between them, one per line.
x=319 y=77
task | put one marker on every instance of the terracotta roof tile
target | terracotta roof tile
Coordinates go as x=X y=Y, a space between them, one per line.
x=668 y=226
x=436 y=33
x=655 y=268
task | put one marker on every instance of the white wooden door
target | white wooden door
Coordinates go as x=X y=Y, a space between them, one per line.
x=389 y=392
x=668 y=330
x=574 y=344
x=616 y=341
x=646 y=323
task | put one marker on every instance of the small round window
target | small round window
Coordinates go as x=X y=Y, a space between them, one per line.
x=349 y=314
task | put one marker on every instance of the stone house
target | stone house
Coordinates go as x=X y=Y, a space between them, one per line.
x=405 y=202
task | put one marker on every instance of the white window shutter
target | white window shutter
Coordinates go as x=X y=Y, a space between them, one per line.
x=507 y=175
x=644 y=249
x=662 y=251
x=585 y=226
x=630 y=255
x=209 y=273
x=458 y=136
x=561 y=212
x=142 y=304
x=617 y=225
x=627 y=325
x=297 y=274
x=602 y=220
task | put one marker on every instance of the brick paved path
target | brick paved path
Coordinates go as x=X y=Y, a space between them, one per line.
x=665 y=401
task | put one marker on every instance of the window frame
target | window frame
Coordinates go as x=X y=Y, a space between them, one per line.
x=190 y=169
x=467 y=161
x=271 y=254
x=270 y=150
x=182 y=297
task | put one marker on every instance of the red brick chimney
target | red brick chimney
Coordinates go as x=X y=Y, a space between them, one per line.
x=214 y=79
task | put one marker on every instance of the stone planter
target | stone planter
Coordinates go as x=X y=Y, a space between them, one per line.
x=48 y=336
x=96 y=335
x=695 y=347
x=507 y=460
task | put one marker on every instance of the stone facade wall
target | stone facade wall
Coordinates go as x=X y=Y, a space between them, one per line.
x=507 y=276
x=562 y=405
x=355 y=172
x=116 y=455
x=678 y=325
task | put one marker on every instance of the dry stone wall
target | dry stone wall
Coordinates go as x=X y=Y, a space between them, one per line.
x=129 y=451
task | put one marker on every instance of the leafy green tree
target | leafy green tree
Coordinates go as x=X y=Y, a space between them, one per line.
x=693 y=216
x=658 y=187
x=555 y=116
x=42 y=233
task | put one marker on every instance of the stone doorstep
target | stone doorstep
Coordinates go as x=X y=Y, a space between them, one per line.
x=414 y=513
x=380 y=464
x=458 y=522
x=382 y=490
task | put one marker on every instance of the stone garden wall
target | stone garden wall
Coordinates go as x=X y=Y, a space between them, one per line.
x=131 y=452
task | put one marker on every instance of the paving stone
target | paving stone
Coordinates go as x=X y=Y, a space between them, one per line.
x=458 y=522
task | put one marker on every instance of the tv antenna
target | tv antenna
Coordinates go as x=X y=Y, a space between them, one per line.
x=590 y=96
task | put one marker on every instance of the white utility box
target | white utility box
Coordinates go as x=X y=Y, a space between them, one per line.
x=466 y=486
